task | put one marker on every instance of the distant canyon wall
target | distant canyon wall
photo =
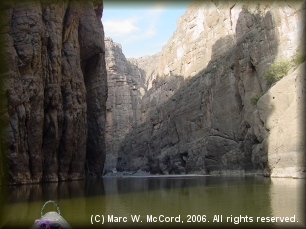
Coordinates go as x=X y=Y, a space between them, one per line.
x=197 y=112
x=125 y=88
x=127 y=83
x=56 y=89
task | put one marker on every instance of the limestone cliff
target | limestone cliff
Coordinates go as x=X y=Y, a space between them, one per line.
x=125 y=87
x=148 y=68
x=55 y=86
x=198 y=114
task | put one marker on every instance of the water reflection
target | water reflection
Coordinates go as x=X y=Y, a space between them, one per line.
x=288 y=198
x=61 y=190
x=205 y=196
x=24 y=202
x=210 y=196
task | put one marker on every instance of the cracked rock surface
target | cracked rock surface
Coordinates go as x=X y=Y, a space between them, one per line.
x=197 y=114
x=55 y=81
x=125 y=88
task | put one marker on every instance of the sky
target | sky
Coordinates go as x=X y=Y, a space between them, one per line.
x=141 y=27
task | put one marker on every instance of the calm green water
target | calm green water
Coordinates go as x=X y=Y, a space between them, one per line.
x=240 y=200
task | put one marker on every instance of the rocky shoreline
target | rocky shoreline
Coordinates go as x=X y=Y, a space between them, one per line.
x=140 y=173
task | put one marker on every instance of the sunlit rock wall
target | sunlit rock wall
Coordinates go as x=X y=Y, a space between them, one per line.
x=197 y=112
x=282 y=109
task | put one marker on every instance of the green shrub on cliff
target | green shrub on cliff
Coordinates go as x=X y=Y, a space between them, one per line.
x=299 y=58
x=254 y=99
x=276 y=71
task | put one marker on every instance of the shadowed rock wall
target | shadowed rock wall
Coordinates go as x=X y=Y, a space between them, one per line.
x=198 y=115
x=56 y=89
x=125 y=89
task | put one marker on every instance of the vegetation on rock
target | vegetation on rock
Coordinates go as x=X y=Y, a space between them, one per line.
x=277 y=70
x=299 y=58
x=254 y=99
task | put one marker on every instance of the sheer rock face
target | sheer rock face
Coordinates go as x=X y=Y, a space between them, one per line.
x=125 y=88
x=56 y=89
x=282 y=109
x=197 y=115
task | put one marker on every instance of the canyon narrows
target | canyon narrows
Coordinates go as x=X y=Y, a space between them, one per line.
x=202 y=105
x=74 y=105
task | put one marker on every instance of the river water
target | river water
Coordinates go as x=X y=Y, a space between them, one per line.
x=191 y=201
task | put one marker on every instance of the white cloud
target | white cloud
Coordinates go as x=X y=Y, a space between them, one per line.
x=133 y=25
x=146 y=33
x=115 y=28
x=140 y=30
x=150 y=19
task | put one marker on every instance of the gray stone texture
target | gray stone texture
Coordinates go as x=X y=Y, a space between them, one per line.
x=125 y=88
x=197 y=115
x=55 y=81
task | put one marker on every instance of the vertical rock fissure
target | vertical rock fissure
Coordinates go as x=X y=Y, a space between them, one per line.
x=95 y=151
x=92 y=54
x=49 y=112
x=231 y=15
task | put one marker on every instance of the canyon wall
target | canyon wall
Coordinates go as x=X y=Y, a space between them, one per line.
x=125 y=87
x=127 y=83
x=198 y=113
x=56 y=89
